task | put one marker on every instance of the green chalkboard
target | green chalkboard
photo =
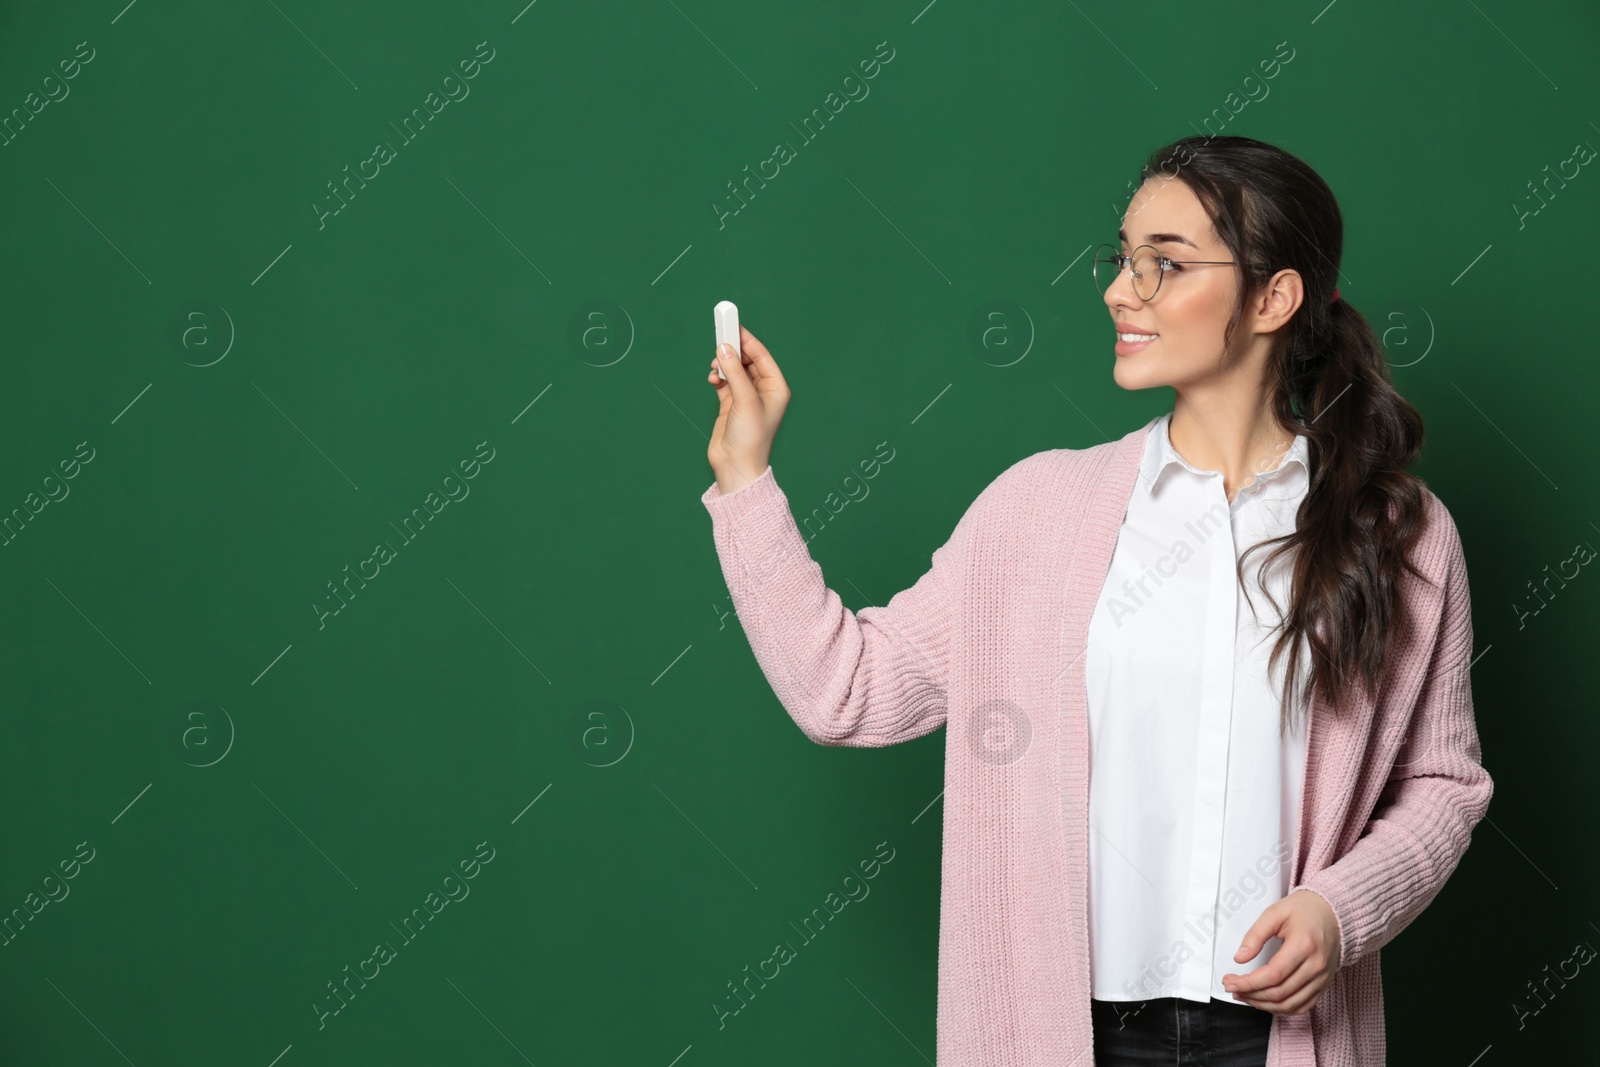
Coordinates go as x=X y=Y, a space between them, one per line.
x=371 y=690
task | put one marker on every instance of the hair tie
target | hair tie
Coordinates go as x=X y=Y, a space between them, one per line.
x=1335 y=295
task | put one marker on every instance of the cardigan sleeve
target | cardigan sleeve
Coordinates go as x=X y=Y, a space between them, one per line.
x=862 y=679
x=1436 y=793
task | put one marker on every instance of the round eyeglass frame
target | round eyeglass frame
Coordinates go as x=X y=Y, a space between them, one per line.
x=1125 y=263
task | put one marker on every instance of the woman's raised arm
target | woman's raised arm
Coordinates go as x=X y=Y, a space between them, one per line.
x=860 y=679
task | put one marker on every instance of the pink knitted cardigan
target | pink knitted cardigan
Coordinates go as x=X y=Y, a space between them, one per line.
x=990 y=643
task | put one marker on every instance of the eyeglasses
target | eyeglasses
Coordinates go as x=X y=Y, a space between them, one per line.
x=1147 y=266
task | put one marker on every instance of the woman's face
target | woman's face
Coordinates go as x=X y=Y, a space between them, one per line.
x=1193 y=304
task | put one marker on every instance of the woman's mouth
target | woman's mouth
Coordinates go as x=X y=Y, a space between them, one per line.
x=1129 y=342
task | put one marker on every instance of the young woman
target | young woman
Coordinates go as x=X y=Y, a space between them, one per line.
x=1169 y=836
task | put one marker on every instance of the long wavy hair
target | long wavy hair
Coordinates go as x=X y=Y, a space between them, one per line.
x=1329 y=380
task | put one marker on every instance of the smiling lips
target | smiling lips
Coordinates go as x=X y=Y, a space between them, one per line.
x=1131 y=341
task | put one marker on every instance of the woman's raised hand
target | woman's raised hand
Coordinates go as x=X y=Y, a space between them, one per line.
x=750 y=406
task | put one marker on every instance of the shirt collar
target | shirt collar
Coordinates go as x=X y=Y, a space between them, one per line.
x=1160 y=455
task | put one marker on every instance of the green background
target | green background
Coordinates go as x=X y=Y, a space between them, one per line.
x=552 y=668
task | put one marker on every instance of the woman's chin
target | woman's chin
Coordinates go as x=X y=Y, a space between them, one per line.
x=1130 y=374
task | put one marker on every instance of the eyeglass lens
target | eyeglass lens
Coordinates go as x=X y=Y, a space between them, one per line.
x=1146 y=270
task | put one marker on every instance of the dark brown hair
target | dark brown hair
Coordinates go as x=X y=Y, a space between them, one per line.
x=1329 y=380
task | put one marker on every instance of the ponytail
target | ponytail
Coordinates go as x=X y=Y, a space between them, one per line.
x=1329 y=381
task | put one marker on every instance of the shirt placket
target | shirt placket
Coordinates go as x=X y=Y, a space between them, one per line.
x=1211 y=776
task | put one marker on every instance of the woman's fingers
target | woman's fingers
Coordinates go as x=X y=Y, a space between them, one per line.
x=1290 y=957
x=754 y=356
x=1273 y=997
x=744 y=391
x=763 y=368
x=751 y=398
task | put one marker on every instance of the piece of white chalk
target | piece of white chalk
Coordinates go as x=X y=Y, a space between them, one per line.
x=726 y=315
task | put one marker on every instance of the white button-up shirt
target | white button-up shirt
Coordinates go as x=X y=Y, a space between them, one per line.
x=1194 y=795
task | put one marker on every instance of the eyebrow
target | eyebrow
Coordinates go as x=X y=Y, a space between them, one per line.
x=1160 y=239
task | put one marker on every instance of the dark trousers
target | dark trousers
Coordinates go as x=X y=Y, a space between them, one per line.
x=1175 y=1032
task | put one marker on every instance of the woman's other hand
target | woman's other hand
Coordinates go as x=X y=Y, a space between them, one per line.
x=1304 y=964
x=750 y=405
